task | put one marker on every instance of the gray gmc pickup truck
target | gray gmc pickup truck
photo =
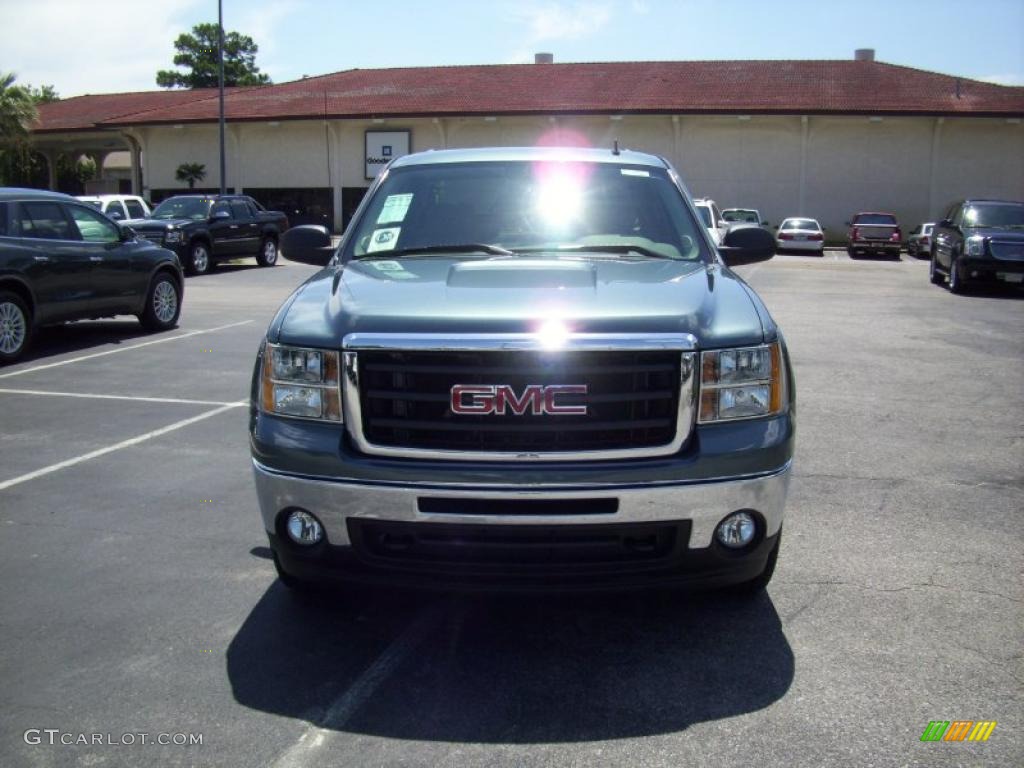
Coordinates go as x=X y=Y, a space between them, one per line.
x=527 y=369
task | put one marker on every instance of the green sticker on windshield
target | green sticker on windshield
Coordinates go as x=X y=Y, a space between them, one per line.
x=383 y=239
x=395 y=208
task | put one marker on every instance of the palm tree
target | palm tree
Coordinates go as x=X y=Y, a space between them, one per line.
x=17 y=111
x=190 y=173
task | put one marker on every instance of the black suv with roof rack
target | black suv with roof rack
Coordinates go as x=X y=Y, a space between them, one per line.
x=61 y=259
x=978 y=240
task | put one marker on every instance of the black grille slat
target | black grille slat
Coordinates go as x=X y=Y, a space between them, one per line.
x=632 y=400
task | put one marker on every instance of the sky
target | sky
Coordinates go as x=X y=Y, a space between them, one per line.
x=80 y=46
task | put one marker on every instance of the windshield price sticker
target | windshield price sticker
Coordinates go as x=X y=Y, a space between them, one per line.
x=383 y=239
x=395 y=208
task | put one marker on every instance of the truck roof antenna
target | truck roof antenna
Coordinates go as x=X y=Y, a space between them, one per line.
x=615 y=147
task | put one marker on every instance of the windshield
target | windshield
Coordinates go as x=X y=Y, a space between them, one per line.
x=195 y=208
x=800 y=224
x=1009 y=216
x=739 y=214
x=520 y=206
x=876 y=218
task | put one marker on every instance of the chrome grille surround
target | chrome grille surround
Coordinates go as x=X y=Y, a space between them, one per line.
x=683 y=343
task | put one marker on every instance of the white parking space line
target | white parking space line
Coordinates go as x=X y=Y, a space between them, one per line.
x=86 y=396
x=118 y=446
x=359 y=692
x=122 y=349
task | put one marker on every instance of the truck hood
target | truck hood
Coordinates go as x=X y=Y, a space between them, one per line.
x=515 y=295
x=155 y=225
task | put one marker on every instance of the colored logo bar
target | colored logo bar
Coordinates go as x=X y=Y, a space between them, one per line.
x=958 y=730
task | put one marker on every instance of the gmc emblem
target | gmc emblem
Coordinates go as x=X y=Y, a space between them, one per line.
x=499 y=399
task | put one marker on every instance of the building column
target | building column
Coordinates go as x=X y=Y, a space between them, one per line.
x=51 y=168
x=334 y=180
x=933 y=169
x=805 y=125
x=136 y=163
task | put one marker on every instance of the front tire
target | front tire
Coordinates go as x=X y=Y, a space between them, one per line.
x=15 y=327
x=933 y=272
x=199 y=262
x=957 y=283
x=163 y=304
x=757 y=585
x=267 y=257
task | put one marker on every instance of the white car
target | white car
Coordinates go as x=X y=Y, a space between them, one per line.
x=118 y=207
x=800 y=234
x=744 y=216
x=711 y=216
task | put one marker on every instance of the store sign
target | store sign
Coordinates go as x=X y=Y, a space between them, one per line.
x=382 y=147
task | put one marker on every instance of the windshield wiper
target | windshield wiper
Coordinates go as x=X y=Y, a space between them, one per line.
x=606 y=248
x=495 y=250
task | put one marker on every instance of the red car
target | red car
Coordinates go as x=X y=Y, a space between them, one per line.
x=872 y=233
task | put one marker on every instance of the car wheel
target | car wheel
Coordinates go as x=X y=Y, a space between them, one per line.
x=267 y=257
x=15 y=327
x=199 y=259
x=756 y=585
x=933 y=272
x=300 y=587
x=163 y=304
x=957 y=284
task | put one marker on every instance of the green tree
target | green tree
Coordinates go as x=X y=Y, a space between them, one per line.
x=44 y=94
x=197 y=54
x=17 y=111
x=190 y=173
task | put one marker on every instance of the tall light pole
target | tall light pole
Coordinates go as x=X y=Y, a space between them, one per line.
x=220 y=85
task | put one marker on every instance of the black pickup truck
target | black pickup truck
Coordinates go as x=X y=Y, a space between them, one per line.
x=205 y=229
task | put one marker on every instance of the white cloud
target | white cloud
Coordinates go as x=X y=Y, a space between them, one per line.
x=555 y=21
x=260 y=21
x=81 y=48
x=1016 y=78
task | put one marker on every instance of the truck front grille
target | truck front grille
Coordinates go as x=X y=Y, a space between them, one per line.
x=632 y=400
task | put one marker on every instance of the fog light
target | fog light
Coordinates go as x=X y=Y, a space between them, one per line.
x=737 y=530
x=303 y=528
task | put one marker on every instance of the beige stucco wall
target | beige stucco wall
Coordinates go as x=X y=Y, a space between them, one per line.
x=847 y=163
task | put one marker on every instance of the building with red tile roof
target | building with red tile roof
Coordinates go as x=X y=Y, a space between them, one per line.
x=781 y=136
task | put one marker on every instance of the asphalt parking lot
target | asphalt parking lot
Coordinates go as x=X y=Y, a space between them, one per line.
x=136 y=593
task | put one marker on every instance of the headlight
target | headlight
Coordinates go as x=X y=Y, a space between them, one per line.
x=172 y=236
x=975 y=245
x=301 y=382
x=741 y=383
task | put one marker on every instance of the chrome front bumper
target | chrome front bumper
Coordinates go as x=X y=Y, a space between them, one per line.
x=704 y=504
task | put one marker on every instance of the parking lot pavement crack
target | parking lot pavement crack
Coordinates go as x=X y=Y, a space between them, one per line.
x=905 y=588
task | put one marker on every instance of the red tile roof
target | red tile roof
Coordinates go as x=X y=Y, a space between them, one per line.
x=734 y=87
x=87 y=112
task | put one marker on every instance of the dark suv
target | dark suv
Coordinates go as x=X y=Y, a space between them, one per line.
x=874 y=233
x=61 y=259
x=976 y=240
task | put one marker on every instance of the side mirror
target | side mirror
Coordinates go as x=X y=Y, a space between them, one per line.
x=775 y=227
x=747 y=245
x=722 y=223
x=220 y=216
x=308 y=244
x=127 y=234
x=946 y=223
x=847 y=223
